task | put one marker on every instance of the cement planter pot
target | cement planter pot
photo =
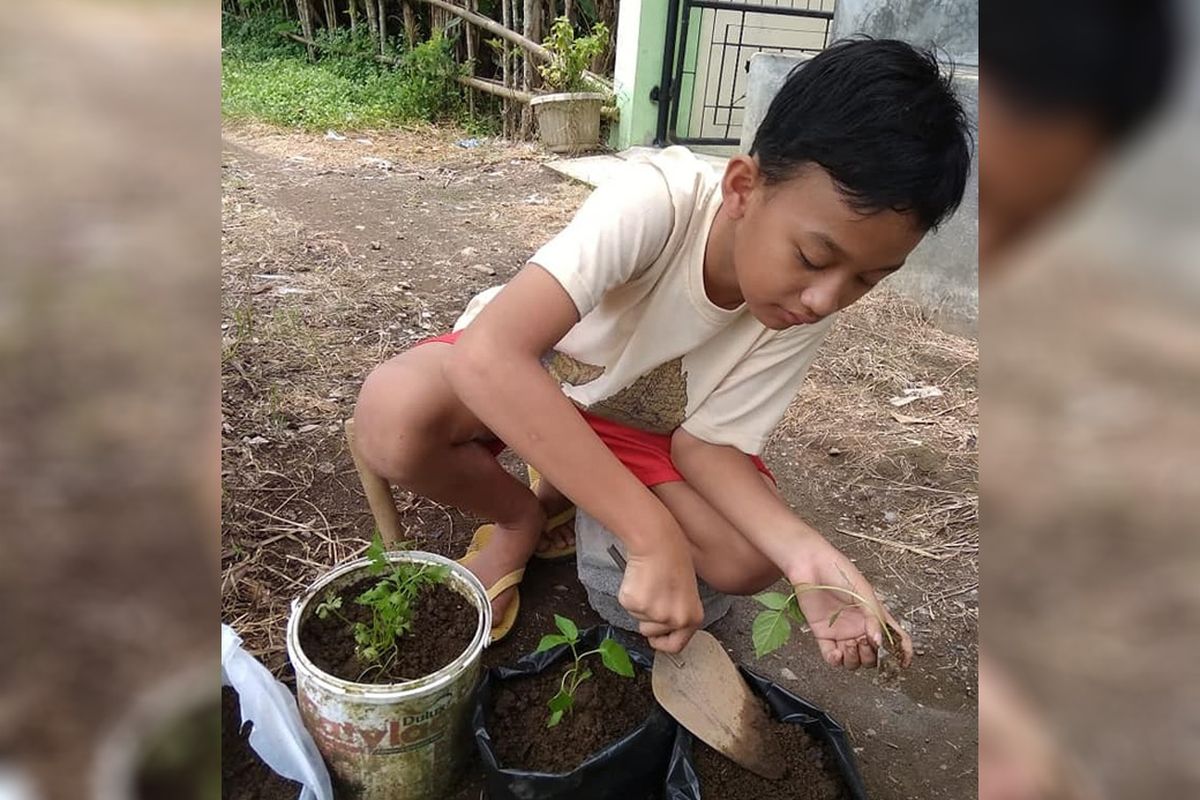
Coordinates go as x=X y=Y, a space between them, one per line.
x=569 y=122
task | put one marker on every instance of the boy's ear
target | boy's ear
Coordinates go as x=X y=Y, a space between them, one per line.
x=742 y=176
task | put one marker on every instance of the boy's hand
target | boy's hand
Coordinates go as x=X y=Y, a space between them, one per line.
x=659 y=591
x=847 y=630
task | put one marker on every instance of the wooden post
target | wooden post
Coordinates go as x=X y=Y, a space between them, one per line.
x=382 y=27
x=505 y=70
x=353 y=17
x=569 y=10
x=372 y=11
x=378 y=492
x=410 y=24
x=527 y=23
x=470 y=36
x=304 y=11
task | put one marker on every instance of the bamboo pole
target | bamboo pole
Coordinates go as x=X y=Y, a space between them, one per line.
x=382 y=26
x=526 y=43
x=472 y=4
x=505 y=71
x=482 y=84
x=410 y=24
x=353 y=17
x=527 y=65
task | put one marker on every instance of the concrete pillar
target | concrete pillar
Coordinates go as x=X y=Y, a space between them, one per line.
x=641 y=29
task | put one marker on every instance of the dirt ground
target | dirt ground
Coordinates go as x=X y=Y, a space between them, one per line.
x=340 y=253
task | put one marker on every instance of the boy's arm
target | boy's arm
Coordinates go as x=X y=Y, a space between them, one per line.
x=727 y=479
x=497 y=372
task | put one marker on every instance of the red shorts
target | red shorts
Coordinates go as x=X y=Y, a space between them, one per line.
x=647 y=455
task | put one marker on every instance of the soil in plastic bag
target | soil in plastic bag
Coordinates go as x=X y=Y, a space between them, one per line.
x=607 y=706
x=244 y=776
x=819 y=761
x=444 y=624
x=614 y=745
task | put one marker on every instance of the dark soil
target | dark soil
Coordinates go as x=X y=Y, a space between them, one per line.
x=243 y=774
x=607 y=707
x=811 y=772
x=443 y=625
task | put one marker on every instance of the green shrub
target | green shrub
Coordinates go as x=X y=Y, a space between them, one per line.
x=345 y=88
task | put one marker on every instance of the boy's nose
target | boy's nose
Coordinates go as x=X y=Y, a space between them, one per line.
x=821 y=297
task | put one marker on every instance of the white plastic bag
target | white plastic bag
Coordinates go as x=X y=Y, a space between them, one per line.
x=278 y=735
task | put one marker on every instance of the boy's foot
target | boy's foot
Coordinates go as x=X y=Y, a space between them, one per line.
x=505 y=551
x=554 y=503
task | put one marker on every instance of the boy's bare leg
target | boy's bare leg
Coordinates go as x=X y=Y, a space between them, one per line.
x=412 y=429
x=724 y=558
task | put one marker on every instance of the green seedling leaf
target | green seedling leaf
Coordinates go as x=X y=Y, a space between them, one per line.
x=773 y=600
x=377 y=555
x=792 y=609
x=561 y=702
x=771 y=631
x=555 y=718
x=550 y=641
x=616 y=657
x=567 y=627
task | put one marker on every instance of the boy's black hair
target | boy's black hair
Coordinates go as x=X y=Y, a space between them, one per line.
x=1109 y=60
x=880 y=117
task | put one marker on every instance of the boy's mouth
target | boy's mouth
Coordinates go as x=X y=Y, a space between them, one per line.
x=800 y=319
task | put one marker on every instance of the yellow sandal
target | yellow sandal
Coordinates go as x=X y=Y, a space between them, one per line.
x=553 y=522
x=504 y=626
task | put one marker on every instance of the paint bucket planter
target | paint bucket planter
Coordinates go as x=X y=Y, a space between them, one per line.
x=568 y=122
x=393 y=741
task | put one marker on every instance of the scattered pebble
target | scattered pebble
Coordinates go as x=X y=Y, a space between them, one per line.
x=484 y=268
x=376 y=246
x=788 y=675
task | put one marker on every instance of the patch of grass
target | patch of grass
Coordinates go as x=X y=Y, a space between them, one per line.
x=266 y=77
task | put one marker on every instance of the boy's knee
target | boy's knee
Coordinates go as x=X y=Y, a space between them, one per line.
x=392 y=428
x=741 y=576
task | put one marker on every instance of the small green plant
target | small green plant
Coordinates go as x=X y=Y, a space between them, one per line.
x=570 y=56
x=614 y=656
x=772 y=628
x=391 y=600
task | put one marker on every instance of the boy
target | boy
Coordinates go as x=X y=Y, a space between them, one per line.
x=677 y=315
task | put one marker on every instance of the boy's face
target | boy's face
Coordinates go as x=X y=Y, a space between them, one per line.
x=800 y=251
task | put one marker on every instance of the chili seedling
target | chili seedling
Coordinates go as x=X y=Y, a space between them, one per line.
x=772 y=628
x=614 y=656
x=392 y=601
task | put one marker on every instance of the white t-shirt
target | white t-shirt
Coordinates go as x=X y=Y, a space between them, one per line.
x=650 y=349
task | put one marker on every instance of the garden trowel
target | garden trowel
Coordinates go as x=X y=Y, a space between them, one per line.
x=702 y=689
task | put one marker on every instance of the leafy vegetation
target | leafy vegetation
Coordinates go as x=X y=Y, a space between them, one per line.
x=266 y=76
x=612 y=654
x=571 y=55
x=392 y=600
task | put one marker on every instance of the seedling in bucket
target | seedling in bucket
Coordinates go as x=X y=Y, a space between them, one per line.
x=391 y=600
x=614 y=656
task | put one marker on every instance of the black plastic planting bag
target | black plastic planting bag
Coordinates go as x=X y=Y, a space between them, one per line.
x=631 y=768
x=683 y=783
